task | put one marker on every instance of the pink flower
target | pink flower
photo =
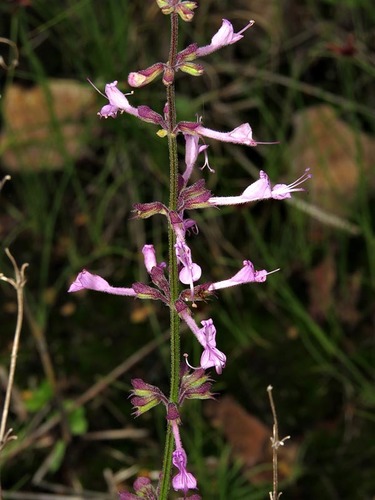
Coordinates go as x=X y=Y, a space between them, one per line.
x=184 y=480
x=117 y=102
x=192 y=150
x=240 y=135
x=225 y=36
x=245 y=275
x=190 y=272
x=262 y=190
x=206 y=336
x=149 y=255
x=88 y=281
x=211 y=356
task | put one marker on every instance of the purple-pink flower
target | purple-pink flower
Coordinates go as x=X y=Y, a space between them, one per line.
x=206 y=336
x=184 y=480
x=245 y=275
x=117 y=102
x=211 y=356
x=262 y=190
x=190 y=271
x=192 y=150
x=88 y=281
x=224 y=36
x=149 y=256
x=243 y=134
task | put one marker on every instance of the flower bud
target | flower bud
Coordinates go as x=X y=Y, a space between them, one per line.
x=194 y=385
x=183 y=8
x=194 y=196
x=158 y=278
x=148 y=292
x=173 y=413
x=148 y=115
x=193 y=69
x=168 y=76
x=146 y=210
x=145 y=396
x=143 y=77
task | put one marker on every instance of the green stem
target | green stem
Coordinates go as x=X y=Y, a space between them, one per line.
x=173 y=270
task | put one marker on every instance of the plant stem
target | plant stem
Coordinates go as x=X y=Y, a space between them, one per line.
x=173 y=270
x=276 y=443
x=18 y=283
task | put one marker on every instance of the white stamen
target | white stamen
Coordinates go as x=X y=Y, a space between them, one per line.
x=251 y=22
x=300 y=180
x=189 y=365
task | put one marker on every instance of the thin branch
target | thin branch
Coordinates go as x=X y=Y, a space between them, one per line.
x=275 y=443
x=18 y=284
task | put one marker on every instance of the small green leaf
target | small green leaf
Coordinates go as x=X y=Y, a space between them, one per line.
x=77 y=421
x=39 y=397
x=58 y=454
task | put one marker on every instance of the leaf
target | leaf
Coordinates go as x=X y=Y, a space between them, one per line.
x=44 y=124
x=38 y=398
x=77 y=420
x=249 y=439
x=57 y=456
x=336 y=154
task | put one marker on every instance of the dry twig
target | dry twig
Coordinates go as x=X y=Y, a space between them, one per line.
x=18 y=284
x=275 y=443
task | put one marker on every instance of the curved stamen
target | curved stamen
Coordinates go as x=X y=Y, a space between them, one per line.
x=251 y=23
x=189 y=365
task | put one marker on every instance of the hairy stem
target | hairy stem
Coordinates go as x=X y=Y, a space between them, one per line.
x=173 y=271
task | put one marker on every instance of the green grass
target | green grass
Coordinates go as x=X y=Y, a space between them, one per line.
x=321 y=367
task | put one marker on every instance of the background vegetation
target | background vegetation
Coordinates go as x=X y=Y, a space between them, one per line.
x=308 y=331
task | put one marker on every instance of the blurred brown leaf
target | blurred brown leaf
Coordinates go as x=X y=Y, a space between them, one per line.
x=249 y=439
x=334 y=152
x=321 y=279
x=44 y=125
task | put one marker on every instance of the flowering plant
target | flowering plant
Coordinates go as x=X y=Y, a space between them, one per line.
x=167 y=278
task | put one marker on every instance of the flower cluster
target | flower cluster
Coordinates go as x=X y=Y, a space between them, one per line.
x=195 y=384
